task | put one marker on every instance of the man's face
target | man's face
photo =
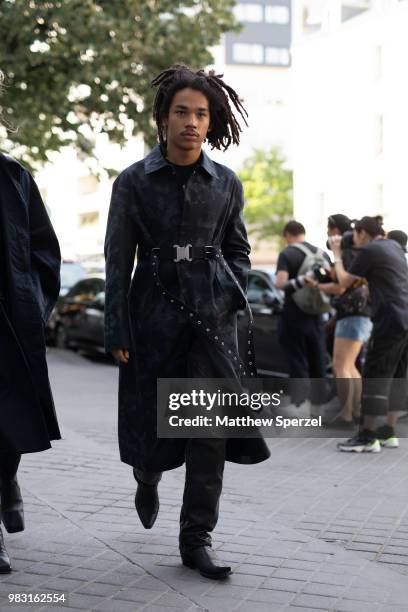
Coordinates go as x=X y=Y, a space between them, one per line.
x=188 y=120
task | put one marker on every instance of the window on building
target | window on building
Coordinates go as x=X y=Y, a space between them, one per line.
x=89 y=218
x=87 y=184
x=250 y=13
x=244 y=53
x=277 y=56
x=277 y=14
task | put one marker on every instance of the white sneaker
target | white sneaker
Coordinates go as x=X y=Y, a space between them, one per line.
x=391 y=442
x=358 y=444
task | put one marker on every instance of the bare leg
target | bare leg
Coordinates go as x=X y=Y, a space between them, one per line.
x=348 y=378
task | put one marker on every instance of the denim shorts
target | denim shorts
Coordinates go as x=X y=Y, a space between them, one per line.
x=354 y=328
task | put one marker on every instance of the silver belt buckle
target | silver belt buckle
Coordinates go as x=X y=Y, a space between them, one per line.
x=182 y=253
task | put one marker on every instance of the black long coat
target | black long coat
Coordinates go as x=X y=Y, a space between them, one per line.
x=29 y=284
x=166 y=336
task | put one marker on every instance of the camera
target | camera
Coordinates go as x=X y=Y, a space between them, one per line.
x=317 y=273
x=320 y=274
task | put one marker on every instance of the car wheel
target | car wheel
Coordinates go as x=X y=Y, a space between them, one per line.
x=61 y=340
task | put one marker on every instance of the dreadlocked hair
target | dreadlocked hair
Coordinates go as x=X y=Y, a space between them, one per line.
x=225 y=128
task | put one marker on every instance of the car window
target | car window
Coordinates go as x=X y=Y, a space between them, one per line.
x=256 y=287
x=71 y=273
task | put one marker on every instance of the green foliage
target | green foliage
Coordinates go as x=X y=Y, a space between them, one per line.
x=268 y=188
x=79 y=67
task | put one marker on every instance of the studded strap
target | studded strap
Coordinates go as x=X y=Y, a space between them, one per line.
x=204 y=327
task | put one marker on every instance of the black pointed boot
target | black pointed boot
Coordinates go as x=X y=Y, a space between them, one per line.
x=5 y=565
x=147 y=497
x=204 y=560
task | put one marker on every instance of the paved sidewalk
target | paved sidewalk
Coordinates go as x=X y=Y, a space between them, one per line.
x=310 y=529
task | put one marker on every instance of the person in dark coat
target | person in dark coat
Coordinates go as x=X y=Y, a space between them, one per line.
x=176 y=318
x=29 y=287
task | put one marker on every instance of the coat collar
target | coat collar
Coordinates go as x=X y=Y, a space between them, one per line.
x=155 y=160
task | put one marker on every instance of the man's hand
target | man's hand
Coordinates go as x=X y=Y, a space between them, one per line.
x=310 y=282
x=121 y=355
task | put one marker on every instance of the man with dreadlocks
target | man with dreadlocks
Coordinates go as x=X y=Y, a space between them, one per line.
x=176 y=317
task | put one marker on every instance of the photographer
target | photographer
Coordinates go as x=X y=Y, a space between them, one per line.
x=352 y=325
x=382 y=263
x=301 y=334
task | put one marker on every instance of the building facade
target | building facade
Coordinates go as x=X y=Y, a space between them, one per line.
x=350 y=95
x=256 y=62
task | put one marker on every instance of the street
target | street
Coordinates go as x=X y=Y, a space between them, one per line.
x=309 y=529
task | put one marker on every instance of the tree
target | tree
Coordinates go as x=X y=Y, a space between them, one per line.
x=76 y=68
x=268 y=188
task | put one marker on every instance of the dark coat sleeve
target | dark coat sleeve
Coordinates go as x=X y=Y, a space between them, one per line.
x=235 y=245
x=120 y=249
x=44 y=249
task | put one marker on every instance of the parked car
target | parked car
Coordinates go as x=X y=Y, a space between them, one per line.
x=71 y=273
x=78 y=318
x=266 y=304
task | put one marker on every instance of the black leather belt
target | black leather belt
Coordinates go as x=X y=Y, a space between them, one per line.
x=187 y=252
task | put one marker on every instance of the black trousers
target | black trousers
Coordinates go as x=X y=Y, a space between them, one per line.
x=9 y=462
x=303 y=340
x=205 y=459
x=385 y=374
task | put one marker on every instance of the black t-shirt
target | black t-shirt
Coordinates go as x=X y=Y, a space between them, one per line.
x=183 y=173
x=290 y=260
x=383 y=264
